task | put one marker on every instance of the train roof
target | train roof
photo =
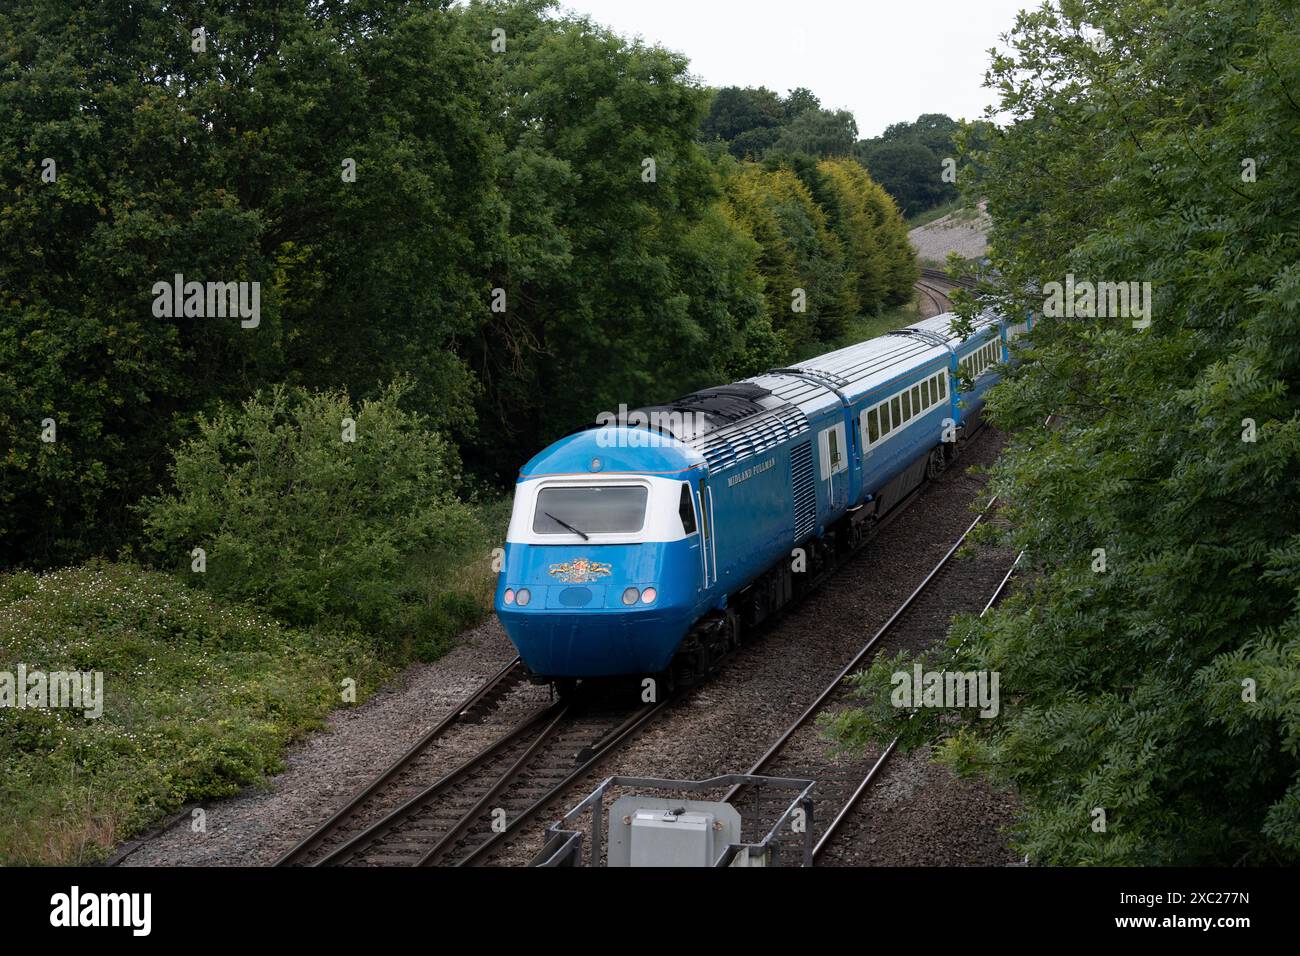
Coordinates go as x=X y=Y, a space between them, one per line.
x=859 y=368
x=731 y=422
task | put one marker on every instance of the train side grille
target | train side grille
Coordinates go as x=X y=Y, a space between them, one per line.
x=750 y=437
x=805 y=492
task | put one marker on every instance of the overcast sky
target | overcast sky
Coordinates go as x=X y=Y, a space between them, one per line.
x=885 y=60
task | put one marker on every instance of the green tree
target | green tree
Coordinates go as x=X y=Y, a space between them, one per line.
x=223 y=163
x=799 y=251
x=735 y=110
x=1150 y=662
x=819 y=132
x=873 y=235
x=623 y=283
x=908 y=160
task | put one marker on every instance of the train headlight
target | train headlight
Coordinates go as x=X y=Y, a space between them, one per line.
x=648 y=595
x=509 y=596
x=630 y=596
x=523 y=597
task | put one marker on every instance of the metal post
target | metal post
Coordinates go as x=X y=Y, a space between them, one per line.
x=597 y=822
x=807 y=832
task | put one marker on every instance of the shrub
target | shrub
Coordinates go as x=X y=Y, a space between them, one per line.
x=311 y=522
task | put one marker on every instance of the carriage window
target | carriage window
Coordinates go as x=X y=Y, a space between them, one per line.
x=896 y=405
x=886 y=424
x=916 y=399
x=907 y=405
x=873 y=426
x=686 y=510
x=943 y=386
x=593 y=509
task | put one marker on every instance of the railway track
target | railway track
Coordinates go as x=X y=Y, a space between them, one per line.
x=953 y=586
x=403 y=778
x=935 y=285
x=938 y=275
x=417 y=813
x=938 y=299
x=411 y=815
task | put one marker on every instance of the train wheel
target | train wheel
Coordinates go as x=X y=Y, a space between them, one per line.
x=937 y=463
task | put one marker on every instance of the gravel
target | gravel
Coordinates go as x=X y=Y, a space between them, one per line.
x=324 y=769
x=918 y=814
x=958 y=232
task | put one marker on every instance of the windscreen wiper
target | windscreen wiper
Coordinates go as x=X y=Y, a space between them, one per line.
x=585 y=536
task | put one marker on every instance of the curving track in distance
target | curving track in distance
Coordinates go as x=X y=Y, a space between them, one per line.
x=934 y=286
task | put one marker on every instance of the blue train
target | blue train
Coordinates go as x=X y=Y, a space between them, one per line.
x=649 y=543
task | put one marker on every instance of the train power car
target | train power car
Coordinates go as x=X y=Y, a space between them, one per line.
x=650 y=545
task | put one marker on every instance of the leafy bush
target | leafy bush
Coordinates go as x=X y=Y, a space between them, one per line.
x=200 y=697
x=310 y=526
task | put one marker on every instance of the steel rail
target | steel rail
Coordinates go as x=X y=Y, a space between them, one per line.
x=316 y=837
x=474 y=812
x=861 y=654
x=393 y=817
x=940 y=275
x=936 y=296
x=893 y=744
x=606 y=746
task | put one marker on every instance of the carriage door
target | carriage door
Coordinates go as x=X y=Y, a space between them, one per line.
x=835 y=464
x=708 y=547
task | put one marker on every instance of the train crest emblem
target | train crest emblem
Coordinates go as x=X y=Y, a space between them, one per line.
x=580 y=571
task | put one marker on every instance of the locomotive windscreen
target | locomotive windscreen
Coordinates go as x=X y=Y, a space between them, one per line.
x=593 y=509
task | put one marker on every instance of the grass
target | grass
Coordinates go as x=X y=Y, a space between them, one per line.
x=199 y=699
x=930 y=215
x=200 y=695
